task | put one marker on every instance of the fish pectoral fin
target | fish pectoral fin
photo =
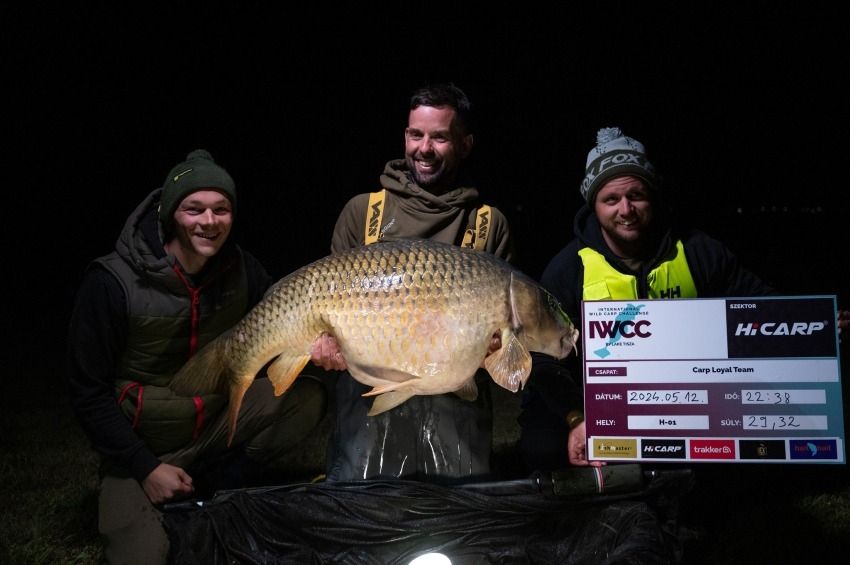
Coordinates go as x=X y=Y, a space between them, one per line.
x=388 y=388
x=284 y=370
x=511 y=364
x=468 y=391
x=380 y=373
x=389 y=400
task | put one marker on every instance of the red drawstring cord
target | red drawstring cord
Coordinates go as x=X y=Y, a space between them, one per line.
x=139 y=400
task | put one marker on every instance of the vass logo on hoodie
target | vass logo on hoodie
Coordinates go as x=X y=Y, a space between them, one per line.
x=375 y=218
x=483 y=224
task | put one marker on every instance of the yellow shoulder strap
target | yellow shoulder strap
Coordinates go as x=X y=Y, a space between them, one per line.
x=477 y=238
x=374 y=214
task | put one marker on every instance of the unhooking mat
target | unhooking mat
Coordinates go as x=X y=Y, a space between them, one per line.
x=615 y=515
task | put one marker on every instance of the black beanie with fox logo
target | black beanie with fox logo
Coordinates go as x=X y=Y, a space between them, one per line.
x=198 y=172
x=615 y=155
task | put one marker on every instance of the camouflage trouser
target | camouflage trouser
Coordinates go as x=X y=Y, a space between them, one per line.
x=268 y=425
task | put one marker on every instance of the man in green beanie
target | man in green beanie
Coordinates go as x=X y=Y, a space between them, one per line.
x=174 y=282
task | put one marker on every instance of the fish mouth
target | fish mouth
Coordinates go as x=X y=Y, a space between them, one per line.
x=568 y=343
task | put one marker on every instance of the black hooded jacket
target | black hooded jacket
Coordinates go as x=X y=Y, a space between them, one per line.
x=715 y=270
x=98 y=335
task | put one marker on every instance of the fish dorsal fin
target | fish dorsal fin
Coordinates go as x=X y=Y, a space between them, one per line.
x=285 y=369
x=469 y=390
x=511 y=364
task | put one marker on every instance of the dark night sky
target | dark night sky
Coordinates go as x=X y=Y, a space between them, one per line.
x=740 y=108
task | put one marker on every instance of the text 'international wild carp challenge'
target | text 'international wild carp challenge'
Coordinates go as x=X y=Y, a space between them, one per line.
x=410 y=316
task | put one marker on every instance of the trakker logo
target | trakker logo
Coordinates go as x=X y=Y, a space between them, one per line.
x=778 y=328
x=712 y=449
x=607 y=329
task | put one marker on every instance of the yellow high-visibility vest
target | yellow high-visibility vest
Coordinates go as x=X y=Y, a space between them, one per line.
x=670 y=279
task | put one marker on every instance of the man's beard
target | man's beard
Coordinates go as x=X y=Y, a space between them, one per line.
x=437 y=179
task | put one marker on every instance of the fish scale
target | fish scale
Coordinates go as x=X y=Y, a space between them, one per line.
x=410 y=317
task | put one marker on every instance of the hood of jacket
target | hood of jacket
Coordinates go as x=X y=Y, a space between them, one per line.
x=140 y=245
x=396 y=178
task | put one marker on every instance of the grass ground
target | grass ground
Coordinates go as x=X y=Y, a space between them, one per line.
x=734 y=514
x=48 y=481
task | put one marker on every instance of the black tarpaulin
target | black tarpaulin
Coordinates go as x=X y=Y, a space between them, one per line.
x=392 y=522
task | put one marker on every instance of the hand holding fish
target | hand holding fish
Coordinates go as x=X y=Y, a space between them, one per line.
x=326 y=354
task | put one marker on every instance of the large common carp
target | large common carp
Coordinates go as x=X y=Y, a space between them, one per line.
x=410 y=316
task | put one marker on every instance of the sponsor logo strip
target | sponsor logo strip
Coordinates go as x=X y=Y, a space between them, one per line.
x=712 y=449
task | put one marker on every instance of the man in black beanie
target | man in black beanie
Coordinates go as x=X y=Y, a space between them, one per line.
x=625 y=247
x=173 y=283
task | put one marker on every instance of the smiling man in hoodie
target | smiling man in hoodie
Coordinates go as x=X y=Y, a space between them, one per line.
x=440 y=437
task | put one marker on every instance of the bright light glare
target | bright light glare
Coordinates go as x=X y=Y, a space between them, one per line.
x=431 y=559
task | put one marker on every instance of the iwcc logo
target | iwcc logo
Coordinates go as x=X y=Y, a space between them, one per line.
x=607 y=329
x=615 y=332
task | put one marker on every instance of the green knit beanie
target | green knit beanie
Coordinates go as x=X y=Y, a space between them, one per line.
x=197 y=172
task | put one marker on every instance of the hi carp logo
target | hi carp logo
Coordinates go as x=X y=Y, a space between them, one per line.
x=781 y=327
x=662 y=448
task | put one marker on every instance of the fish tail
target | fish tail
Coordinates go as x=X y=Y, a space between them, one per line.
x=209 y=371
x=237 y=393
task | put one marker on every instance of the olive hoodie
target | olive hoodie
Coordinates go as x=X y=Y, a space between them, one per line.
x=412 y=212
